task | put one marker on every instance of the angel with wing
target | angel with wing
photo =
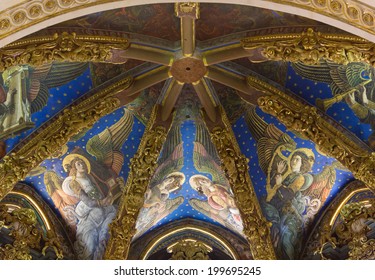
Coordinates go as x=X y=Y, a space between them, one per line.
x=352 y=82
x=294 y=194
x=219 y=204
x=86 y=196
x=166 y=180
x=25 y=90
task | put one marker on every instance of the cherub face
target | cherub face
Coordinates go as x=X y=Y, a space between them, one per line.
x=80 y=166
x=296 y=163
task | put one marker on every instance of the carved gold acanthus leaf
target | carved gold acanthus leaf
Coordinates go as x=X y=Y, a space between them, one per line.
x=15 y=166
x=23 y=231
x=353 y=231
x=310 y=47
x=235 y=166
x=308 y=122
x=189 y=249
x=62 y=47
x=142 y=168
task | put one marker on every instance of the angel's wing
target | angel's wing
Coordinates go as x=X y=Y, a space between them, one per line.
x=52 y=182
x=172 y=156
x=149 y=218
x=204 y=163
x=205 y=156
x=323 y=183
x=271 y=143
x=49 y=76
x=106 y=146
x=269 y=138
x=341 y=78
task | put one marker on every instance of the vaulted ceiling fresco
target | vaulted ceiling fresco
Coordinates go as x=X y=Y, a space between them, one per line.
x=237 y=131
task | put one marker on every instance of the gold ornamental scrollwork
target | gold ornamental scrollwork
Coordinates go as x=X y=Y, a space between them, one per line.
x=189 y=249
x=352 y=231
x=310 y=47
x=142 y=168
x=15 y=166
x=235 y=166
x=308 y=122
x=61 y=47
x=22 y=230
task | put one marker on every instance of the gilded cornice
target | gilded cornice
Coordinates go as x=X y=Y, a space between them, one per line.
x=142 y=167
x=29 y=13
x=16 y=165
x=235 y=166
x=61 y=47
x=306 y=120
x=22 y=226
x=352 y=12
x=309 y=47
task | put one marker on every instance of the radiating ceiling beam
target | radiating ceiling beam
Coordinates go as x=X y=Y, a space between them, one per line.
x=142 y=168
x=150 y=54
x=188 y=13
x=16 y=165
x=235 y=81
x=235 y=165
x=142 y=82
x=170 y=98
x=226 y=53
x=206 y=98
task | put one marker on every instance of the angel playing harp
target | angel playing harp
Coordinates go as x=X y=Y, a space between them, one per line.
x=85 y=197
x=294 y=194
x=167 y=179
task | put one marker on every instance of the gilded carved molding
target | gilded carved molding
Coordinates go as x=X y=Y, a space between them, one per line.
x=62 y=47
x=352 y=12
x=189 y=249
x=352 y=231
x=16 y=165
x=307 y=121
x=323 y=235
x=142 y=168
x=29 y=13
x=21 y=226
x=235 y=166
x=310 y=47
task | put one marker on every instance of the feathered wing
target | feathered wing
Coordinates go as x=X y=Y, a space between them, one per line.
x=106 y=146
x=147 y=219
x=52 y=182
x=323 y=183
x=271 y=142
x=205 y=156
x=172 y=156
x=341 y=78
x=49 y=76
